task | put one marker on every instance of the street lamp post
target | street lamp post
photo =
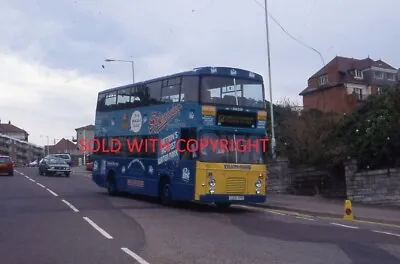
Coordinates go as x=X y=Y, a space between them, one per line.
x=84 y=152
x=270 y=82
x=48 y=144
x=132 y=63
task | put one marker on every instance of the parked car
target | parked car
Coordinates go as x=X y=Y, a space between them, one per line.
x=6 y=165
x=66 y=157
x=89 y=166
x=33 y=163
x=51 y=165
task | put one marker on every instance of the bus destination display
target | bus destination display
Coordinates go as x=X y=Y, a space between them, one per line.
x=248 y=120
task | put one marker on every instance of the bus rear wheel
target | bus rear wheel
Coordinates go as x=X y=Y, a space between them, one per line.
x=165 y=193
x=112 y=186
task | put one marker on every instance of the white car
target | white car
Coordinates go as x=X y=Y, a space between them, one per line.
x=33 y=163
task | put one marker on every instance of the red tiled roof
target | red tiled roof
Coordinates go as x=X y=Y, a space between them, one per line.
x=62 y=146
x=345 y=64
x=10 y=128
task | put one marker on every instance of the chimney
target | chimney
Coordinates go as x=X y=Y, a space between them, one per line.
x=9 y=122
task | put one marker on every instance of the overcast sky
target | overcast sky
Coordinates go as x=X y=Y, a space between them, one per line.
x=51 y=52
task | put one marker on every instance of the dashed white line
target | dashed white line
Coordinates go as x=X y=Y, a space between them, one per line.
x=276 y=213
x=134 y=255
x=305 y=218
x=50 y=191
x=95 y=226
x=32 y=180
x=353 y=227
x=70 y=206
x=26 y=177
x=386 y=233
x=41 y=185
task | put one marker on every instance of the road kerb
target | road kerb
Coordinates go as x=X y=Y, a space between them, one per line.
x=338 y=216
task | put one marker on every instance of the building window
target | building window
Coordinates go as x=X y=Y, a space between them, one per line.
x=358 y=93
x=358 y=74
x=323 y=80
x=378 y=75
x=390 y=76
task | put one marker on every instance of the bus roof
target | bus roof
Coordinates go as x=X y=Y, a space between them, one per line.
x=208 y=70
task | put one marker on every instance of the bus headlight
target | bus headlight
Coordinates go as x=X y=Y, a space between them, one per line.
x=212 y=184
x=258 y=185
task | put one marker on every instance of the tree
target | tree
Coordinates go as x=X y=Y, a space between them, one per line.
x=371 y=134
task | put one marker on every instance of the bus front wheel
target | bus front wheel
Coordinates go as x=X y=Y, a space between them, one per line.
x=223 y=206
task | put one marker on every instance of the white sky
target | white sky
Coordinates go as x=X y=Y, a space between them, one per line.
x=51 y=52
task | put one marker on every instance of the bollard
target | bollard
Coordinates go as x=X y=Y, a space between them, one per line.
x=348 y=211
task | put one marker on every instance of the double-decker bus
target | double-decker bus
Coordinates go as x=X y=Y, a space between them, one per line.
x=203 y=104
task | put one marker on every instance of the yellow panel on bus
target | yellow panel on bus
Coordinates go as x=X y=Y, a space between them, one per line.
x=230 y=179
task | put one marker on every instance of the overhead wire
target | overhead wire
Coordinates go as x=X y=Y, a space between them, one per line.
x=289 y=35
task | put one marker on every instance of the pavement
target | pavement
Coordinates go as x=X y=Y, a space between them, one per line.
x=70 y=220
x=323 y=207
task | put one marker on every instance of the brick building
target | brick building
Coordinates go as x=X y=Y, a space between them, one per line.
x=20 y=151
x=345 y=82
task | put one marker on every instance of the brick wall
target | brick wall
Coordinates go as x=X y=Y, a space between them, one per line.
x=373 y=187
x=335 y=99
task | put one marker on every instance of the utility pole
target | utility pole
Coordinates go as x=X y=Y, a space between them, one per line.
x=270 y=83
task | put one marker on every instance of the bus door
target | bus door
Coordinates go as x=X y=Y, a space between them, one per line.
x=187 y=163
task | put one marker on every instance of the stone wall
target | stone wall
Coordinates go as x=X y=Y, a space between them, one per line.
x=373 y=187
x=278 y=177
x=303 y=180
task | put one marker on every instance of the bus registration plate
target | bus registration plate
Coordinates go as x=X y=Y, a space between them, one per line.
x=236 y=198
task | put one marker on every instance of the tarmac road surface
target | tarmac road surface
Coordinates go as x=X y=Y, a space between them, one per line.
x=70 y=220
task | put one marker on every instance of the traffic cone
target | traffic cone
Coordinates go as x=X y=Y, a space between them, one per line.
x=348 y=211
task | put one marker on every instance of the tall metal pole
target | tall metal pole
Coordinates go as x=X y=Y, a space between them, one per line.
x=133 y=72
x=48 y=145
x=84 y=152
x=270 y=83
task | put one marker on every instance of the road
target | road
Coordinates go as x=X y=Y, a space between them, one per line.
x=70 y=220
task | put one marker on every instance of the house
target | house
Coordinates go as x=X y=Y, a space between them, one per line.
x=62 y=146
x=10 y=130
x=343 y=83
x=87 y=133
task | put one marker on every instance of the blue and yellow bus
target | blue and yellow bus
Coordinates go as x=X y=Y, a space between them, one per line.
x=207 y=103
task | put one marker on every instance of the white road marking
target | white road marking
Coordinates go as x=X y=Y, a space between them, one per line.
x=305 y=218
x=134 y=255
x=50 y=191
x=26 y=177
x=353 y=227
x=70 y=206
x=95 y=226
x=275 y=212
x=41 y=185
x=387 y=233
x=32 y=180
